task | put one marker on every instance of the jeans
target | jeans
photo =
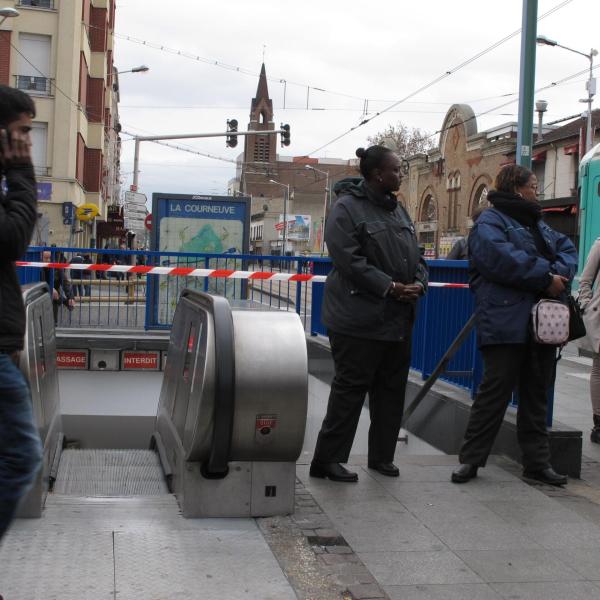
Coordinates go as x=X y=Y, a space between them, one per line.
x=20 y=446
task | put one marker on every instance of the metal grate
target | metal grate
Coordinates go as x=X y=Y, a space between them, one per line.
x=110 y=473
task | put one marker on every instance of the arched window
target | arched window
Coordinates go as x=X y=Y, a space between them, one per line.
x=429 y=210
x=263 y=117
x=480 y=199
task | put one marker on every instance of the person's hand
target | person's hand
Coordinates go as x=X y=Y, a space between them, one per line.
x=406 y=292
x=71 y=303
x=557 y=287
x=55 y=295
x=15 y=148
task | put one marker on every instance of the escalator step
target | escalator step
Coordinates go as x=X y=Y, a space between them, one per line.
x=110 y=473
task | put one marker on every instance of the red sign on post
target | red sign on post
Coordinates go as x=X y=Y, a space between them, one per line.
x=72 y=359
x=148 y=222
x=136 y=361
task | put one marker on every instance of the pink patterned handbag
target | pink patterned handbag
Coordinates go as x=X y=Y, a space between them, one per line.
x=550 y=322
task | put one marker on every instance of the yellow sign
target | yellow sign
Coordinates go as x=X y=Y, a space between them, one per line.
x=87 y=212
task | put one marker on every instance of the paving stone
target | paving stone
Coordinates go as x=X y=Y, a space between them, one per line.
x=586 y=563
x=337 y=559
x=573 y=590
x=559 y=536
x=414 y=568
x=469 y=591
x=518 y=565
x=339 y=550
x=365 y=592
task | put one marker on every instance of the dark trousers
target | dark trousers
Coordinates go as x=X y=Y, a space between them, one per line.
x=20 y=446
x=361 y=366
x=528 y=368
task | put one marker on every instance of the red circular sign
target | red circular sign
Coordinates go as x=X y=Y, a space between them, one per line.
x=148 y=222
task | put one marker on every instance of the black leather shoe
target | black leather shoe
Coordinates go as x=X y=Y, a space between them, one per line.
x=463 y=473
x=548 y=476
x=333 y=471
x=389 y=469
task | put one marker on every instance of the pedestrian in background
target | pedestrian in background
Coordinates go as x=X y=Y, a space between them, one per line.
x=589 y=299
x=59 y=284
x=20 y=446
x=369 y=310
x=515 y=260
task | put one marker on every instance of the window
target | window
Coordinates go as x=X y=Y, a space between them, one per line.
x=34 y=64
x=39 y=145
x=37 y=3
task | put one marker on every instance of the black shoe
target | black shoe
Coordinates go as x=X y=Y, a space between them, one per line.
x=595 y=435
x=548 y=476
x=333 y=471
x=463 y=473
x=385 y=468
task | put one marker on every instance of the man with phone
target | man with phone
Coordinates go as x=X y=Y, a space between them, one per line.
x=20 y=447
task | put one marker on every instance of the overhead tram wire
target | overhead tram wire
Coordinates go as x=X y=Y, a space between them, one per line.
x=282 y=80
x=441 y=77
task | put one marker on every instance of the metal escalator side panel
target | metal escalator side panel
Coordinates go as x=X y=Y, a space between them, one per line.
x=271 y=370
x=38 y=363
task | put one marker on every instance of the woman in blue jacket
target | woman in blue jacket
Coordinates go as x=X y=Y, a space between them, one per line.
x=515 y=259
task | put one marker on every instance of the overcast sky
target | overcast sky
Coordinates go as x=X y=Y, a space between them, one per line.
x=382 y=51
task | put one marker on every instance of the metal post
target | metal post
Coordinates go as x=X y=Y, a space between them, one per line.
x=527 y=82
x=324 y=213
x=589 y=138
x=136 y=163
x=285 y=206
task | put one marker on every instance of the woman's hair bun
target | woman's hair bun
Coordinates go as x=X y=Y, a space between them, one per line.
x=361 y=152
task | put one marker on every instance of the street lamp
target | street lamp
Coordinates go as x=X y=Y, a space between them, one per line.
x=140 y=69
x=590 y=84
x=326 y=173
x=541 y=106
x=6 y=13
x=285 y=202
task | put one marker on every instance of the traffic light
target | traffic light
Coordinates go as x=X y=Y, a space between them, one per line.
x=285 y=135
x=232 y=127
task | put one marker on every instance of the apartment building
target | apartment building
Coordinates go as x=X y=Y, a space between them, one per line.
x=61 y=53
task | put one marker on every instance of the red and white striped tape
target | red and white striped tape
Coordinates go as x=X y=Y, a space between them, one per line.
x=192 y=272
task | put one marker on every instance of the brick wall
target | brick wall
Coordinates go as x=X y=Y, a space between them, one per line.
x=92 y=170
x=95 y=99
x=83 y=80
x=5 y=57
x=98 y=29
x=85 y=11
x=80 y=159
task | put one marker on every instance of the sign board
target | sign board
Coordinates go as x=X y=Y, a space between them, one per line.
x=135 y=198
x=68 y=213
x=87 y=212
x=199 y=224
x=136 y=360
x=44 y=190
x=72 y=359
x=298 y=227
x=148 y=222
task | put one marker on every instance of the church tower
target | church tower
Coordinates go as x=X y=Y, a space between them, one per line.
x=261 y=149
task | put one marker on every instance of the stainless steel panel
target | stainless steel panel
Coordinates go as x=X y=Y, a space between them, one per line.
x=273 y=488
x=271 y=374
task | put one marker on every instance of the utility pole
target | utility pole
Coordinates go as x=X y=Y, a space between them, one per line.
x=527 y=82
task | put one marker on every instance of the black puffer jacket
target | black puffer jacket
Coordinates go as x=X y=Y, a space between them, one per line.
x=18 y=214
x=372 y=242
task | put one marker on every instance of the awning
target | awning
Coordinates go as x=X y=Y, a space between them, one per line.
x=572 y=149
x=565 y=210
x=539 y=156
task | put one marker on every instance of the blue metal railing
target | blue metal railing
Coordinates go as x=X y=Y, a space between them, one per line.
x=142 y=301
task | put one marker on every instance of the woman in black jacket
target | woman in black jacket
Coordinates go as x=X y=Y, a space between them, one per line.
x=369 y=310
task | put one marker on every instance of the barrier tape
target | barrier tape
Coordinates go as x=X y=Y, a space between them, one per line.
x=192 y=272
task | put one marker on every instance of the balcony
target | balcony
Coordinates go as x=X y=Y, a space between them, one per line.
x=39 y=86
x=37 y=3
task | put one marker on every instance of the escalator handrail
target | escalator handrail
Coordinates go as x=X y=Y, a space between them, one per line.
x=217 y=465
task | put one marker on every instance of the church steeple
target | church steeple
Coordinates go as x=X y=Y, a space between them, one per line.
x=262 y=149
x=262 y=106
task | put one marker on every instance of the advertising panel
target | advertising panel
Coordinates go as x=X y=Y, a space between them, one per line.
x=298 y=227
x=198 y=224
